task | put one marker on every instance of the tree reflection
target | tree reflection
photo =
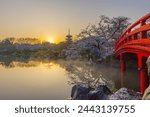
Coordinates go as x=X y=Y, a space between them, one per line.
x=9 y=62
x=85 y=72
x=78 y=71
x=6 y=61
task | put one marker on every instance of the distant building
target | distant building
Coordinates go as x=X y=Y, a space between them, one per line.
x=69 y=37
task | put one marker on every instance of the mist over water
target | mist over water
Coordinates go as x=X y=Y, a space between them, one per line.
x=54 y=79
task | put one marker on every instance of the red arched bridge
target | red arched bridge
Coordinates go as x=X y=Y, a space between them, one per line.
x=136 y=40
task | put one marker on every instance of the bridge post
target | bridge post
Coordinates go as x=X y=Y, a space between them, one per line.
x=122 y=64
x=135 y=36
x=143 y=34
x=144 y=79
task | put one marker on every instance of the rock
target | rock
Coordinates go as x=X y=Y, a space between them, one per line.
x=146 y=95
x=125 y=94
x=102 y=92
x=148 y=65
x=93 y=95
x=85 y=92
x=80 y=92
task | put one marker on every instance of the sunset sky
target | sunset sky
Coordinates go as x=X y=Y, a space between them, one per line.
x=51 y=18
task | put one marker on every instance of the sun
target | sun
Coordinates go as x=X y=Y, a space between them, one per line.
x=51 y=40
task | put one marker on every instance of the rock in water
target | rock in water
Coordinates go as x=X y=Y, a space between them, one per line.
x=125 y=94
x=80 y=92
x=85 y=92
x=102 y=92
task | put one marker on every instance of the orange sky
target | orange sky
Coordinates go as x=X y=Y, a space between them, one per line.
x=52 y=18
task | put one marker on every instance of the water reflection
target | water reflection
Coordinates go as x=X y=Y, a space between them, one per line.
x=109 y=74
x=33 y=80
x=86 y=72
x=47 y=79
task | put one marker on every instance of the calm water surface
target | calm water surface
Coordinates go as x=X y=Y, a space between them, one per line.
x=34 y=80
x=53 y=80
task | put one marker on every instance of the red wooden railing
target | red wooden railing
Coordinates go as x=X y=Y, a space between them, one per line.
x=134 y=32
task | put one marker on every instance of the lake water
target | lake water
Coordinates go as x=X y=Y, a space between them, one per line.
x=54 y=79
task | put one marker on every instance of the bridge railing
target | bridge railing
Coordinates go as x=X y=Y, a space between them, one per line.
x=134 y=33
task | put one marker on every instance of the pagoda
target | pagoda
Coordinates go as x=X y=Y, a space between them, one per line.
x=69 y=37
